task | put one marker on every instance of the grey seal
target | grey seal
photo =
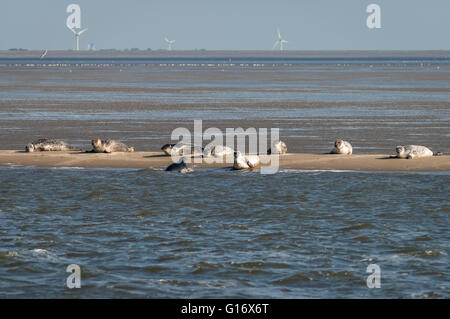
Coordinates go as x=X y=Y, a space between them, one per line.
x=180 y=167
x=167 y=149
x=414 y=151
x=181 y=149
x=342 y=147
x=245 y=161
x=218 y=151
x=278 y=147
x=45 y=144
x=109 y=146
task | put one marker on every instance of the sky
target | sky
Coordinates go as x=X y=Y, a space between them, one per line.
x=227 y=24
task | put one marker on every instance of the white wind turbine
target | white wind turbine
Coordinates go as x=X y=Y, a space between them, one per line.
x=77 y=36
x=169 y=43
x=43 y=54
x=280 y=41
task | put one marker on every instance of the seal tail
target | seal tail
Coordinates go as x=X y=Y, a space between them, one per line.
x=438 y=154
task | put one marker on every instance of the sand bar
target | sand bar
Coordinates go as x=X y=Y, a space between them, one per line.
x=366 y=162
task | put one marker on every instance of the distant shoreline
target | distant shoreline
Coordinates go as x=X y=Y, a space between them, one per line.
x=225 y=56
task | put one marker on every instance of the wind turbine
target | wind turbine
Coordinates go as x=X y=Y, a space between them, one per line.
x=43 y=54
x=169 y=43
x=77 y=36
x=280 y=41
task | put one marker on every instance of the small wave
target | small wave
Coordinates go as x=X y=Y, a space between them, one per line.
x=40 y=251
x=310 y=171
x=292 y=280
x=173 y=282
x=362 y=239
x=202 y=267
x=9 y=254
x=356 y=227
x=66 y=168
x=391 y=172
x=154 y=269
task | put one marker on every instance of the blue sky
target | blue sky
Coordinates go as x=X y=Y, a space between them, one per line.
x=227 y=24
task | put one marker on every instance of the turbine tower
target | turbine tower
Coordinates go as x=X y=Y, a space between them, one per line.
x=169 y=43
x=77 y=36
x=280 y=41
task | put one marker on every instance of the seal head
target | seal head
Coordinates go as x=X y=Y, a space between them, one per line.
x=278 y=147
x=180 y=167
x=342 y=147
x=109 y=146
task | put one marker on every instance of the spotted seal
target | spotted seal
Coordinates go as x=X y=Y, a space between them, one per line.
x=109 y=146
x=180 y=167
x=217 y=151
x=414 y=151
x=278 y=147
x=245 y=161
x=45 y=144
x=181 y=149
x=342 y=147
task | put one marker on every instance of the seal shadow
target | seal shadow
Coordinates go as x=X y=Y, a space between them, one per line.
x=164 y=155
x=155 y=156
x=388 y=157
x=86 y=152
x=55 y=152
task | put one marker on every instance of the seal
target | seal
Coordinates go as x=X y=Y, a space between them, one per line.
x=181 y=149
x=278 y=147
x=109 y=146
x=245 y=162
x=167 y=149
x=342 y=147
x=218 y=151
x=45 y=144
x=414 y=151
x=180 y=167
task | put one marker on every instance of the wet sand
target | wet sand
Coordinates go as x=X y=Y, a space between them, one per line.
x=374 y=107
x=26 y=121
x=365 y=162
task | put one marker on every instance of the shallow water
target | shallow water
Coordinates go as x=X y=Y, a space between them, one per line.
x=376 y=104
x=218 y=233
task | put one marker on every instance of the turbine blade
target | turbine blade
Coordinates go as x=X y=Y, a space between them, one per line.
x=75 y=32
x=278 y=33
x=275 y=44
x=82 y=31
x=167 y=40
x=44 y=54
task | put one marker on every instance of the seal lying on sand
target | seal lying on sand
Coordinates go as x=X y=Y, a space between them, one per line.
x=167 y=149
x=109 y=146
x=181 y=149
x=414 y=151
x=179 y=167
x=342 y=147
x=45 y=144
x=218 y=151
x=245 y=161
x=278 y=148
